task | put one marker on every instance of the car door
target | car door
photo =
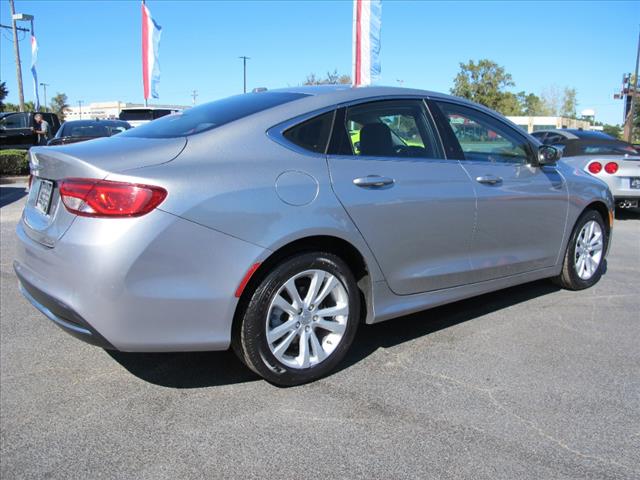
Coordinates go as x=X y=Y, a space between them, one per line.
x=414 y=208
x=522 y=208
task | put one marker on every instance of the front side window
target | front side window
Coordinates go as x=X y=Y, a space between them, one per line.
x=483 y=138
x=394 y=128
x=313 y=134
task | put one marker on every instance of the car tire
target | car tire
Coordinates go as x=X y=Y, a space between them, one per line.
x=291 y=340
x=584 y=259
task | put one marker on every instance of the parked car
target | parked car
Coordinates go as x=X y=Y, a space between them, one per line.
x=15 y=129
x=82 y=130
x=140 y=116
x=613 y=161
x=253 y=221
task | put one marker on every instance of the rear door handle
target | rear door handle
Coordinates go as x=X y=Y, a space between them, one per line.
x=489 y=179
x=373 y=181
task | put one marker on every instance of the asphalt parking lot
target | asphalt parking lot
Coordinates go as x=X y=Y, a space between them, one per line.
x=529 y=382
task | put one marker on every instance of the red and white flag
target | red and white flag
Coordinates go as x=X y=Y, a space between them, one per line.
x=151 y=32
x=367 y=16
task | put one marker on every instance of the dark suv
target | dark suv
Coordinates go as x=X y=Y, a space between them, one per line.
x=15 y=129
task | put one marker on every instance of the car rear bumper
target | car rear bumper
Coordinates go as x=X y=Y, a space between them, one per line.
x=152 y=284
x=60 y=314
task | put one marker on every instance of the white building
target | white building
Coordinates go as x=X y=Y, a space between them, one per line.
x=107 y=110
x=531 y=124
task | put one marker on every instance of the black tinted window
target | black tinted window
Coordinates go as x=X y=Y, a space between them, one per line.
x=18 y=120
x=143 y=114
x=312 y=134
x=211 y=115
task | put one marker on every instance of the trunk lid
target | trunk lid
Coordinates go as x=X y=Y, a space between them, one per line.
x=45 y=219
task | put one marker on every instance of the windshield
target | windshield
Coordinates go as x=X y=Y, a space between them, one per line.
x=211 y=115
x=142 y=114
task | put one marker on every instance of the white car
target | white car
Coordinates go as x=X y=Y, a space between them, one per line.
x=613 y=161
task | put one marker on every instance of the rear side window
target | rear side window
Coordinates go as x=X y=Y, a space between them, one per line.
x=14 y=121
x=313 y=134
x=211 y=115
x=389 y=128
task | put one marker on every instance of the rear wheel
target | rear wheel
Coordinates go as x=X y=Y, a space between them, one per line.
x=300 y=320
x=584 y=259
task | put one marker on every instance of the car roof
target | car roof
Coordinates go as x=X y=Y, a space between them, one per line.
x=576 y=134
x=348 y=91
x=95 y=122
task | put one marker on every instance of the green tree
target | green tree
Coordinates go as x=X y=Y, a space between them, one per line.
x=29 y=106
x=332 y=78
x=569 y=102
x=532 y=105
x=483 y=82
x=59 y=105
x=11 y=107
x=510 y=104
x=3 y=94
x=613 y=130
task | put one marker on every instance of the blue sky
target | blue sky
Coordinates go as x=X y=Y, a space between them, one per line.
x=91 y=50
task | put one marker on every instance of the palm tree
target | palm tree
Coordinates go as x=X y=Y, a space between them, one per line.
x=59 y=105
x=3 y=94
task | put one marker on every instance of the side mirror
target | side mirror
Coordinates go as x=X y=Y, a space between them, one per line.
x=548 y=155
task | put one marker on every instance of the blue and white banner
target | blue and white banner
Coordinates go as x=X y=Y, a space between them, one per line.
x=151 y=33
x=367 y=21
x=34 y=60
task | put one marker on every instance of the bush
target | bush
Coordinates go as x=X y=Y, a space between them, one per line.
x=14 y=162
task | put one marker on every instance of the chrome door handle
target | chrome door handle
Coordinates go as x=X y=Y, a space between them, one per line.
x=373 y=181
x=489 y=179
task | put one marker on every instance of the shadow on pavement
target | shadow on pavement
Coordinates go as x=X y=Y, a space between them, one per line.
x=627 y=214
x=208 y=369
x=11 y=194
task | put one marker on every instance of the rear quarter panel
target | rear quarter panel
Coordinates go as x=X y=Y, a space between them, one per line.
x=225 y=179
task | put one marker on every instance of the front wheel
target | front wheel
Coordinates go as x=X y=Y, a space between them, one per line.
x=585 y=255
x=300 y=320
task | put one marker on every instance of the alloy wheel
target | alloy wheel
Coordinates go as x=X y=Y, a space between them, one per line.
x=588 y=251
x=307 y=318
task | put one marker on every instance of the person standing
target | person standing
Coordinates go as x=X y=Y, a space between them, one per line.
x=43 y=130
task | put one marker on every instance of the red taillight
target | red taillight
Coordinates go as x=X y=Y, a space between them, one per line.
x=104 y=198
x=611 y=167
x=595 y=167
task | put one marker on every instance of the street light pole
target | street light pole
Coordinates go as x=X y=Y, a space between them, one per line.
x=634 y=94
x=45 y=85
x=80 y=107
x=16 y=49
x=244 y=63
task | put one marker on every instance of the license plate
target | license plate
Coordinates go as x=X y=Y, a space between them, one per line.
x=43 y=201
x=635 y=182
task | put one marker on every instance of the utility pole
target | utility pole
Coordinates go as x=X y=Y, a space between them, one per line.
x=628 y=130
x=16 y=49
x=194 y=95
x=45 y=85
x=80 y=106
x=244 y=63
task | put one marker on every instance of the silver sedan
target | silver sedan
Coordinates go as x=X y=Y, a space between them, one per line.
x=276 y=222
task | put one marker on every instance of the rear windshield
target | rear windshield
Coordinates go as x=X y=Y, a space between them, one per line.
x=211 y=115
x=606 y=149
x=143 y=114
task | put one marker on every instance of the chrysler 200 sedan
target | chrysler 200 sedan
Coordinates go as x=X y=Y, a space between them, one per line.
x=276 y=222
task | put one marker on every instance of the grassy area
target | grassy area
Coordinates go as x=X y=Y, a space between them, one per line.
x=14 y=162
